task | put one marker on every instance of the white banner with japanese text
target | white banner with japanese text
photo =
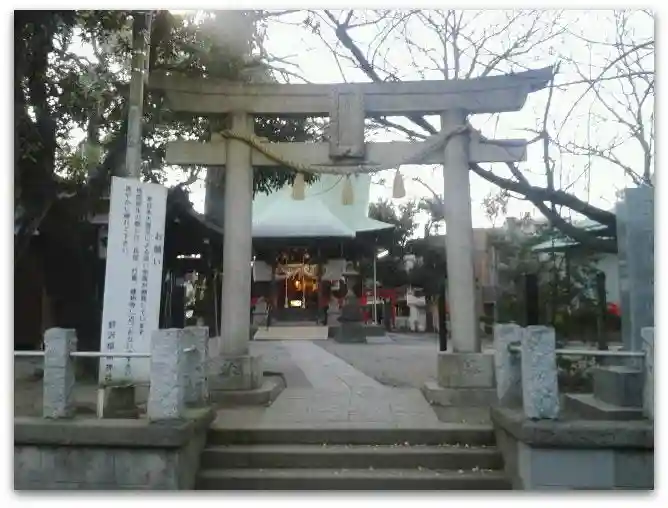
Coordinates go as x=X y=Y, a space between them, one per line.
x=133 y=278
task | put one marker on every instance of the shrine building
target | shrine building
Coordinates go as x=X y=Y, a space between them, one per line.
x=307 y=251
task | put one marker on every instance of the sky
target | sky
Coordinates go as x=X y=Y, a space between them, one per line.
x=311 y=57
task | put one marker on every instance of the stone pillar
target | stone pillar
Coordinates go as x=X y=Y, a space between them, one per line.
x=231 y=365
x=540 y=392
x=507 y=365
x=459 y=245
x=166 y=395
x=648 y=389
x=639 y=248
x=624 y=295
x=196 y=388
x=465 y=375
x=237 y=248
x=58 y=373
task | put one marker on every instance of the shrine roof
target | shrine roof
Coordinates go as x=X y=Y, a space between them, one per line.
x=320 y=214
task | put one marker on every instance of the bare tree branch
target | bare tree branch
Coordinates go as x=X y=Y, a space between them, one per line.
x=519 y=35
x=540 y=195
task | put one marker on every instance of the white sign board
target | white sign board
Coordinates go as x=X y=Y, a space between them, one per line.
x=133 y=278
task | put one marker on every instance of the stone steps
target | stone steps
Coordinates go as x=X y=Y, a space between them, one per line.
x=350 y=479
x=587 y=406
x=374 y=434
x=618 y=395
x=619 y=385
x=457 y=457
x=351 y=456
x=291 y=333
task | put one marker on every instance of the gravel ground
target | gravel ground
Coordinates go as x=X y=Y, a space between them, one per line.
x=400 y=360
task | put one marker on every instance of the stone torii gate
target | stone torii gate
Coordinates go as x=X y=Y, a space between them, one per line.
x=347 y=106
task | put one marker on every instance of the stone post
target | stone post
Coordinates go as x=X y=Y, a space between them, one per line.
x=636 y=257
x=464 y=373
x=508 y=365
x=540 y=392
x=237 y=248
x=196 y=388
x=459 y=245
x=168 y=365
x=648 y=389
x=232 y=368
x=58 y=373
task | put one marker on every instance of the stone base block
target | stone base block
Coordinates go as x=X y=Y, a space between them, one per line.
x=351 y=333
x=618 y=385
x=574 y=454
x=458 y=397
x=466 y=370
x=586 y=406
x=235 y=373
x=271 y=388
x=94 y=454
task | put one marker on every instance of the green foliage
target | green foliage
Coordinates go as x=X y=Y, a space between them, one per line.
x=71 y=83
x=402 y=217
x=433 y=206
x=390 y=268
x=72 y=80
x=566 y=288
x=430 y=270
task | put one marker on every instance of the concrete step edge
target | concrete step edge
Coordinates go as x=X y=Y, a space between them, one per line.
x=350 y=457
x=464 y=434
x=588 y=407
x=398 y=474
x=352 y=449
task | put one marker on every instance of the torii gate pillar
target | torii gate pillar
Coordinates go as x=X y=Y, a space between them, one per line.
x=465 y=374
x=231 y=367
x=459 y=233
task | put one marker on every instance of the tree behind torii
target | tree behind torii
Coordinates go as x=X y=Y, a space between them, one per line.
x=468 y=44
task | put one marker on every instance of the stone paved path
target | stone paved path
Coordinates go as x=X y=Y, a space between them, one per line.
x=335 y=394
x=326 y=371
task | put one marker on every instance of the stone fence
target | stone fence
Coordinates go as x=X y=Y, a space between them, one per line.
x=177 y=371
x=62 y=450
x=547 y=448
x=526 y=369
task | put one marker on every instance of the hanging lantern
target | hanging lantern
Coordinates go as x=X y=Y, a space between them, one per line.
x=299 y=187
x=398 y=188
x=347 y=196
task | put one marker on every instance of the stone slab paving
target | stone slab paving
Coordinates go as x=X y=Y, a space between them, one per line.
x=326 y=371
x=277 y=359
x=338 y=395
